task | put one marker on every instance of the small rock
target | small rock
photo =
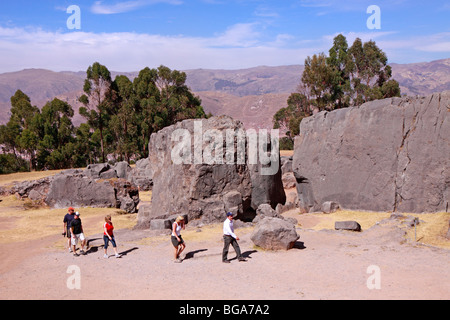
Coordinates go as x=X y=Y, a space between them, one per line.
x=274 y=234
x=347 y=225
x=330 y=207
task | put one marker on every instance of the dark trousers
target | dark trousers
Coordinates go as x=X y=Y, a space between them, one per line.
x=227 y=240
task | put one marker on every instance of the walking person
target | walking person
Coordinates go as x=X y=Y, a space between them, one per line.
x=76 y=230
x=68 y=218
x=229 y=237
x=177 y=241
x=108 y=236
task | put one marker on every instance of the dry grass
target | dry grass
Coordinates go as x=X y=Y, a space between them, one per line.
x=8 y=179
x=145 y=196
x=37 y=223
x=286 y=153
x=431 y=230
x=364 y=218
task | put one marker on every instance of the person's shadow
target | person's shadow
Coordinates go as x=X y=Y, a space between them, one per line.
x=245 y=254
x=95 y=247
x=191 y=254
x=124 y=253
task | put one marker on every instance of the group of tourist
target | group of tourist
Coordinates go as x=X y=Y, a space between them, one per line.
x=229 y=237
x=73 y=230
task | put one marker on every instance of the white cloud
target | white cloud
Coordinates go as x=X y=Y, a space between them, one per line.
x=240 y=46
x=437 y=43
x=238 y=35
x=237 y=47
x=126 y=6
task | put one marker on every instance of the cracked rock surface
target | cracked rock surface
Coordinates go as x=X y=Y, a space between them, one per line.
x=386 y=155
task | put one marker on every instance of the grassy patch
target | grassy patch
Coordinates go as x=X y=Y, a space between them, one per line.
x=364 y=218
x=9 y=179
x=145 y=196
x=431 y=229
x=36 y=223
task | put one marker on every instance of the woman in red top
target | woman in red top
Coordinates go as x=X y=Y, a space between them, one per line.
x=108 y=235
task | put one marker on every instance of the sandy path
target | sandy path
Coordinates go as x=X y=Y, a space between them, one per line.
x=323 y=265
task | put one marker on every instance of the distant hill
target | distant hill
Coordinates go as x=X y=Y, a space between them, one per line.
x=423 y=78
x=251 y=95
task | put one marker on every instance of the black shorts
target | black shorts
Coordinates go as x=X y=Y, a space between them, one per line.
x=175 y=241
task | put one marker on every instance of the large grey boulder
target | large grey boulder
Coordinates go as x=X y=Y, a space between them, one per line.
x=122 y=169
x=386 y=155
x=34 y=190
x=142 y=175
x=188 y=177
x=266 y=188
x=194 y=188
x=80 y=191
x=274 y=234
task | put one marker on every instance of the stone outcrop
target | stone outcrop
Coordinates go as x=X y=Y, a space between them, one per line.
x=347 y=225
x=188 y=177
x=274 y=234
x=99 y=185
x=34 y=190
x=386 y=155
x=141 y=175
x=80 y=191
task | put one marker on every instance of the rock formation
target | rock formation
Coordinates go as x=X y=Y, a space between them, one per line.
x=386 y=155
x=201 y=168
x=99 y=185
x=274 y=234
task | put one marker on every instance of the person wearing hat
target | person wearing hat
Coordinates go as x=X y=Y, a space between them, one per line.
x=229 y=237
x=68 y=218
x=76 y=229
x=177 y=241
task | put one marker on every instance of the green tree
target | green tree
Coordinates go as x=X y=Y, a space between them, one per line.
x=371 y=73
x=24 y=124
x=97 y=88
x=123 y=123
x=163 y=98
x=342 y=66
x=318 y=78
x=56 y=134
x=347 y=77
x=288 y=119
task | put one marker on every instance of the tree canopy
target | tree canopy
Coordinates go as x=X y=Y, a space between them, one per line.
x=348 y=76
x=120 y=114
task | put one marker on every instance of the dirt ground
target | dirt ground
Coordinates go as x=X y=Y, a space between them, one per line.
x=324 y=264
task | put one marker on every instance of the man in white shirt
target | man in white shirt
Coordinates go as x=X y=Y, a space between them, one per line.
x=230 y=238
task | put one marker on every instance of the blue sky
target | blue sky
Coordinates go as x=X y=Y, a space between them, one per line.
x=128 y=35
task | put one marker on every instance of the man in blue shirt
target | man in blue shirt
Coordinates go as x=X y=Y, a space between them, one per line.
x=68 y=218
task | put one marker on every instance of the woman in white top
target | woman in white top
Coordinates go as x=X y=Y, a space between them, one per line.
x=177 y=240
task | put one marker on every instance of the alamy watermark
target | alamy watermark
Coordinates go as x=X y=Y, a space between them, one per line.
x=374 y=281
x=74 y=21
x=236 y=147
x=374 y=21
x=74 y=280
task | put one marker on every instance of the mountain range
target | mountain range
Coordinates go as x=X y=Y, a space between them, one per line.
x=250 y=95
